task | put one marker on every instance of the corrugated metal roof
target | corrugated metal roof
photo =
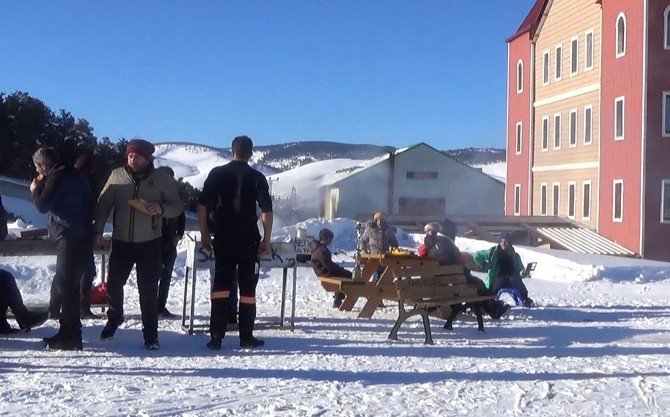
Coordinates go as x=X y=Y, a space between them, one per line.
x=584 y=240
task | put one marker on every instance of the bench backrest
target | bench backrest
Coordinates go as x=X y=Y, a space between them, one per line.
x=442 y=282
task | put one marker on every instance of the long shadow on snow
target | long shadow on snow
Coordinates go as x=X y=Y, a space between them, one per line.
x=364 y=377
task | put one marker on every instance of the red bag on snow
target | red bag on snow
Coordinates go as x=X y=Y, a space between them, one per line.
x=99 y=293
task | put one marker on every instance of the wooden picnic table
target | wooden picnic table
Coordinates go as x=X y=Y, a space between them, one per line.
x=393 y=267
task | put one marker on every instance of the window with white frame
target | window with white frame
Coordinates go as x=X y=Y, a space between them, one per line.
x=586 y=200
x=621 y=35
x=519 y=77
x=665 y=201
x=517 y=199
x=557 y=131
x=666 y=113
x=619 y=118
x=617 y=201
x=573 y=127
x=572 y=197
x=588 y=124
x=559 y=63
x=519 y=133
x=543 y=199
x=545 y=68
x=666 y=32
x=556 y=201
x=574 y=55
x=545 y=133
x=588 y=51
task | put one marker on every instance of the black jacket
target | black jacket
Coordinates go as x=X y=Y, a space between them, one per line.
x=443 y=249
x=66 y=197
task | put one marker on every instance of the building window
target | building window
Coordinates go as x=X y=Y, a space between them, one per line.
x=432 y=206
x=574 y=55
x=421 y=175
x=543 y=199
x=588 y=51
x=573 y=127
x=619 y=118
x=559 y=62
x=666 y=33
x=519 y=77
x=666 y=113
x=556 y=198
x=572 y=197
x=620 y=35
x=665 y=201
x=557 y=131
x=586 y=200
x=617 y=201
x=545 y=133
x=519 y=133
x=545 y=68
x=588 y=124
x=517 y=199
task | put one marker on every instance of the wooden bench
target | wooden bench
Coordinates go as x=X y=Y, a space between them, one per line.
x=434 y=293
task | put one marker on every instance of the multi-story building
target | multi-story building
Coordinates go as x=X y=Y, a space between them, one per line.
x=588 y=121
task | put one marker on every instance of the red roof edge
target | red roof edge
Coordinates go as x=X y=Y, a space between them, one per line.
x=531 y=21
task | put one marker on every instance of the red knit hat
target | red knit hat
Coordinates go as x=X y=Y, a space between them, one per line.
x=140 y=146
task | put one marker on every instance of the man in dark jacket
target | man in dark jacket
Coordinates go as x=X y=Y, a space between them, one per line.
x=65 y=194
x=234 y=191
x=173 y=231
x=139 y=195
x=323 y=264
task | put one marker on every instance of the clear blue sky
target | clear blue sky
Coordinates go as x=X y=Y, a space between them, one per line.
x=379 y=72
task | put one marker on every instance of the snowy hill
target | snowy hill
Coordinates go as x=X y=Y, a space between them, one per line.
x=323 y=159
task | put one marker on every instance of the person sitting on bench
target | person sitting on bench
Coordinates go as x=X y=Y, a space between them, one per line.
x=443 y=248
x=504 y=268
x=10 y=297
x=323 y=264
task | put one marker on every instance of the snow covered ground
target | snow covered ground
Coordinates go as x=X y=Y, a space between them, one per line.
x=597 y=344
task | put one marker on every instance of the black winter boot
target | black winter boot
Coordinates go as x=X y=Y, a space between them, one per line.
x=247 y=318
x=218 y=321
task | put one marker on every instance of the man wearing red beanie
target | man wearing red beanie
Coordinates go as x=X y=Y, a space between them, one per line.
x=139 y=195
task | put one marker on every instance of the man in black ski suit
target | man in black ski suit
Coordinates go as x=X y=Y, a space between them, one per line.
x=234 y=191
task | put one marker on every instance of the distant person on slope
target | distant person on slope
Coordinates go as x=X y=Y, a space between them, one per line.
x=323 y=264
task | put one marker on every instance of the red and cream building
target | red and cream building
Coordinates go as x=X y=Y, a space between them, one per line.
x=588 y=118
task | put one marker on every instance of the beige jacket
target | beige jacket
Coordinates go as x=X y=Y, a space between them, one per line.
x=131 y=225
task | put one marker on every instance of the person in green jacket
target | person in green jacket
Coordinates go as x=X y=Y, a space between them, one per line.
x=504 y=268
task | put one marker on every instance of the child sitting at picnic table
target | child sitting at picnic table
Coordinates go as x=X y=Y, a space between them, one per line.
x=323 y=264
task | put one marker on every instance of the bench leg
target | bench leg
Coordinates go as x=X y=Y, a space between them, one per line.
x=480 y=318
x=402 y=316
x=426 y=328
